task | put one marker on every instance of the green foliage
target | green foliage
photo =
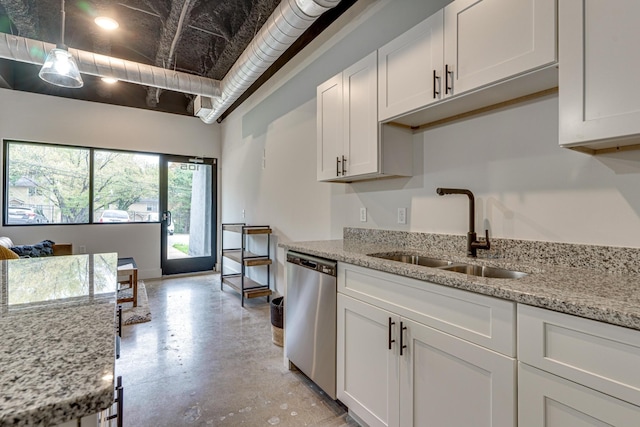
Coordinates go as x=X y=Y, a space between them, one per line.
x=182 y=247
x=179 y=195
x=61 y=176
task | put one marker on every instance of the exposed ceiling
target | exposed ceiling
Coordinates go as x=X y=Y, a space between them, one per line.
x=201 y=37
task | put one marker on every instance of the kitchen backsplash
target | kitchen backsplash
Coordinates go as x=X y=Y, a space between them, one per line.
x=610 y=259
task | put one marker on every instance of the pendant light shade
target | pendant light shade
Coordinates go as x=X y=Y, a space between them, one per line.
x=60 y=67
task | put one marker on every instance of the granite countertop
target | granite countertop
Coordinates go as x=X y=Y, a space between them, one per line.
x=589 y=293
x=57 y=324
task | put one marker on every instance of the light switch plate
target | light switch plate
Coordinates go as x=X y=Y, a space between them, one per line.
x=363 y=214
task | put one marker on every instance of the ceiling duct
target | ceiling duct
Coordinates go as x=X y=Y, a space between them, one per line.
x=287 y=22
x=34 y=52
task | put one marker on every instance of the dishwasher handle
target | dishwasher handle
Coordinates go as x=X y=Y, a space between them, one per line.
x=311 y=262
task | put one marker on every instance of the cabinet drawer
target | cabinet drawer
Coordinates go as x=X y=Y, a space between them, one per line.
x=480 y=319
x=598 y=355
x=545 y=400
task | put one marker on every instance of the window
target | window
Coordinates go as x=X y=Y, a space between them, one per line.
x=46 y=183
x=125 y=182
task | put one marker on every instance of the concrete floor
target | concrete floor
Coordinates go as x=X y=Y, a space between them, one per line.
x=205 y=361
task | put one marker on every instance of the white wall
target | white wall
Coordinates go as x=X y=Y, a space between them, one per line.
x=526 y=186
x=32 y=117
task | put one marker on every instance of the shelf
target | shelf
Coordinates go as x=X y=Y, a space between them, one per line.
x=248 y=229
x=239 y=281
x=248 y=258
x=252 y=289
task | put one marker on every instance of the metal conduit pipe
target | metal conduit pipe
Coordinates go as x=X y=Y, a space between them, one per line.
x=287 y=22
x=34 y=52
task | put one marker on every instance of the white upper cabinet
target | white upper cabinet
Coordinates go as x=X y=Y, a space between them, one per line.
x=599 y=95
x=359 y=86
x=351 y=144
x=329 y=127
x=470 y=55
x=491 y=40
x=410 y=69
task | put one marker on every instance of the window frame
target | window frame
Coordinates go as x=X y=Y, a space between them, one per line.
x=5 y=181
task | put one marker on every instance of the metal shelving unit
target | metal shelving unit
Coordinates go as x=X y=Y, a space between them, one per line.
x=242 y=258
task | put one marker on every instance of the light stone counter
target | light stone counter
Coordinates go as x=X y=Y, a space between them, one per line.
x=556 y=279
x=57 y=331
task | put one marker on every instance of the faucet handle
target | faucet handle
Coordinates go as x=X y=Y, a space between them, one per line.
x=487 y=243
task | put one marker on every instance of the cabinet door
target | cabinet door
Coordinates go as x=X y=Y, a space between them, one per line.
x=446 y=381
x=599 y=80
x=545 y=400
x=406 y=67
x=329 y=128
x=360 y=103
x=367 y=371
x=490 y=40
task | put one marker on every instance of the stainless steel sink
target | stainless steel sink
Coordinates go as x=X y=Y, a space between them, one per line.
x=414 y=259
x=443 y=264
x=483 y=271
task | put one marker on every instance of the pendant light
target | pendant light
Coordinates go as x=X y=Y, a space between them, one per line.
x=60 y=67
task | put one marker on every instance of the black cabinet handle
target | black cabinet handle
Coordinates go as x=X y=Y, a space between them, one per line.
x=435 y=78
x=448 y=88
x=402 y=345
x=344 y=169
x=391 y=323
x=337 y=166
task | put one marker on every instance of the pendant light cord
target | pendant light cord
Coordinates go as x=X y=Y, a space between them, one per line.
x=62 y=25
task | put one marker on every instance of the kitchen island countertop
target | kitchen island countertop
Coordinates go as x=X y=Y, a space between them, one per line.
x=57 y=324
x=607 y=297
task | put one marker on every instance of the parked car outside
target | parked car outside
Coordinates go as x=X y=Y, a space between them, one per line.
x=113 y=215
x=24 y=215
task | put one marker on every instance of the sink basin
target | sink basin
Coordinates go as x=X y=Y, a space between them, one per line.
x=443 y=264
x=414 y=259
x=478 y=270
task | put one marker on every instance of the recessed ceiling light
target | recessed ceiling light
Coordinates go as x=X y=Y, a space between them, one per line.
x=106 y=22
x=109 y=80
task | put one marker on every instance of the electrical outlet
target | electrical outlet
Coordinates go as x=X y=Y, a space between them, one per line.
x=82 y=249
x=363 y=214
x=402 y=215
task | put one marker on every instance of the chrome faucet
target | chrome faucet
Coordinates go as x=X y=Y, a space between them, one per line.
x=472 y=243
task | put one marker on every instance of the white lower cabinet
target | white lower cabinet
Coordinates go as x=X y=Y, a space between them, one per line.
x=576 y=372
x=546 y=400
x=393 y=371
x=367 y=371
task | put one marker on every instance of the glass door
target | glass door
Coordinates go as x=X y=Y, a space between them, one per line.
x=188 y=198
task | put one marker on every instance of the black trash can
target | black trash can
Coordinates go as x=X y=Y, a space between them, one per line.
x=277 y=315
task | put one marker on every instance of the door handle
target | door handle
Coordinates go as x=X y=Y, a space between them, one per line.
x=337 y=166
x=435 y=78
x=166 y=218
x=344 y=169
x=402 y=345
x=391 y=323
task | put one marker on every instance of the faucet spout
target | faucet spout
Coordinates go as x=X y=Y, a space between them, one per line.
x=472 y=203
x=472 y=243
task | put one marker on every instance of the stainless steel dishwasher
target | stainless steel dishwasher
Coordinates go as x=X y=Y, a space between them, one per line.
x=310 y=318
